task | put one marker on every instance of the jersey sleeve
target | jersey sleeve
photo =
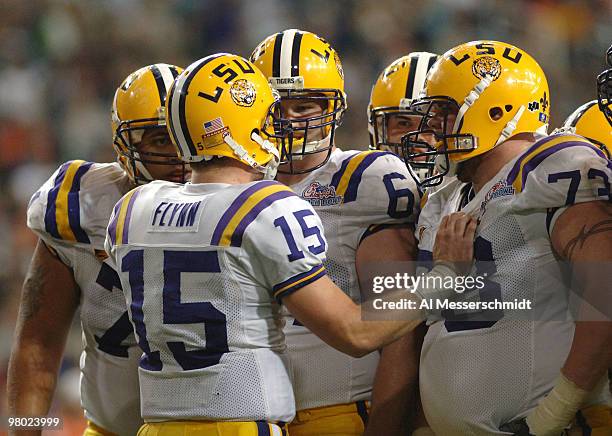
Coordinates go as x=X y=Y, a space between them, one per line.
x=110 y=239
x=73 y=206
x=377 y=192
x=560 y=171
x=283 y=240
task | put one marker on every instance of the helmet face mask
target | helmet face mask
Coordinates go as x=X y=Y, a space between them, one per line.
x=390 y=123
x=604 y=89
x=138 y=107
x=431 y=145
x=604 y=94
x=310 y=134
x=127 y=142
x=305 y=71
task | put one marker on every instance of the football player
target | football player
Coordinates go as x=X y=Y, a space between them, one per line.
x=202 y=264
x=542 y=204
x=366 y=200
x=69 y=270
x=590 y=122
x=390 y=118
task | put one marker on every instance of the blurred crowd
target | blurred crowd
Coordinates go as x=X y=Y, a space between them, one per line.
x=61 y=60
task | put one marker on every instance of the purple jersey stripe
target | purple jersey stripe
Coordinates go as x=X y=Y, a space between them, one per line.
x=128 y=215
x=335 y=181
x=50 y=220
x=236 y=204
x=353 y=185
x=299 y=284
x=513 y=174
x=254 y=212
x=295 y=278
x=112 y=227
x=74 y=211
x=537 y=159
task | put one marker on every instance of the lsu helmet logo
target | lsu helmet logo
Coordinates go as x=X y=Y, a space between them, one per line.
x=486 y=66
x=243 y=93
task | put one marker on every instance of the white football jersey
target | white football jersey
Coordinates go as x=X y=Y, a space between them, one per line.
x=70 y=213
x=479 y=370
x=353 y=193
x=203 y=268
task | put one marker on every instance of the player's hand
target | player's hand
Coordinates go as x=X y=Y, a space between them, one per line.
x=455 y=241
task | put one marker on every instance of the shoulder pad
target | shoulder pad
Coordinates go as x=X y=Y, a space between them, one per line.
x=75 y=203
x=564 y=150
x=347 y=179
x=560 y=170
x=245 y=208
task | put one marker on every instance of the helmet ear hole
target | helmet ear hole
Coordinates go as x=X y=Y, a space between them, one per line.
x=495 y=113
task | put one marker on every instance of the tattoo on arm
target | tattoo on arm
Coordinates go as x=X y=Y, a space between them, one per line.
x=579 y=240
x=43 y=270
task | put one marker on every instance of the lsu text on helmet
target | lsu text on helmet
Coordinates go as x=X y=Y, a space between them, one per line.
x=590 y=122
x=304 y=69
x=218 y=107
x=138 y=106
x=475 y=97
x=389 y=113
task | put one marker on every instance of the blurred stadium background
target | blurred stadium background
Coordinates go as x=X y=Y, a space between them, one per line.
x=61 y=60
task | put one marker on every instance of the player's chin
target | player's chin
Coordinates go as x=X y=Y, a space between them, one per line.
x=466 y=169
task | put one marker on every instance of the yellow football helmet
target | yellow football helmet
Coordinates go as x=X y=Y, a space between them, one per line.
x=475 y=97
x=303 y=67
x=138 y=105
x=218 y=107
x=604 y=88
x=590 y=122
x=389 y=113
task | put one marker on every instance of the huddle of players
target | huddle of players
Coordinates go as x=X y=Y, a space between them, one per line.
x=214 y=357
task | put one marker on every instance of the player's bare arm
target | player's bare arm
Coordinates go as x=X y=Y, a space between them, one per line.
x=49 y=300
x=319 y=306
x=583 y=233
x=396 y=382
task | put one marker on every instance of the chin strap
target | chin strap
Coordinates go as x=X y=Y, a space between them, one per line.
x=312 y=146
x=141 y=168
x=510 y=127
x=269 y=170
